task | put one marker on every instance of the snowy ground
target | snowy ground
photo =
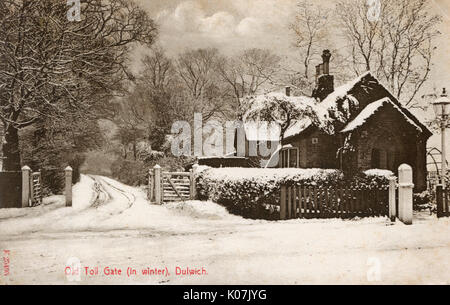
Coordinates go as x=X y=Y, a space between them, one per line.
x=112 y=225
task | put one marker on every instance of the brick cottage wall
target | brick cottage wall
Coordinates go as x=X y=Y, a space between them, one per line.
x=396 y=141
x=316 y=150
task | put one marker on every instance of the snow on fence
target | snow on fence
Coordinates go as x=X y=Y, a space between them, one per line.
x=312 y=201
x=170 y=186
x=442 y=201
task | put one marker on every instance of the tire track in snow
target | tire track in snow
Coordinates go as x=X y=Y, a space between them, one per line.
x=101 y=187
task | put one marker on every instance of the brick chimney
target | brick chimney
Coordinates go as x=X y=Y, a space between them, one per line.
x=324 y=81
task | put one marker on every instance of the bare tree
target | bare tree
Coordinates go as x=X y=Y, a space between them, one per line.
x=397 y=47
x=248 y=71
x=50 y=66
x=197 y=71
x=309 y=29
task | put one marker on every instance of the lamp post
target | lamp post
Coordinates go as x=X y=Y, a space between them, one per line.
x=442 y=109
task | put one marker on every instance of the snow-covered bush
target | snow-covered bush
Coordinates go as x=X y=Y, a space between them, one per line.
x=250 y=192
x=423 y=201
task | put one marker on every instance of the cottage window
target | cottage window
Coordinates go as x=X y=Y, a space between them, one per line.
x=381 y=159
x=375 y=160
x=315 y=140
x=289 y=157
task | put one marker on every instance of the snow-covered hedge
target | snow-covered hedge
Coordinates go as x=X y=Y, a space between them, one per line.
x=250 y=192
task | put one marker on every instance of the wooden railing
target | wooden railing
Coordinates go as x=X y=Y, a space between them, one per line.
x=170 y=186
x=35 y=189
x=310 y=201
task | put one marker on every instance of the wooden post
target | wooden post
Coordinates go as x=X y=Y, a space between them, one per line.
x=283 y=203
x=405 y=194
x=151 y=185
x=440 y=200
x=192 y=184
x=392 y=187
x=68 y=172
x=158 y=194
x=26 y=171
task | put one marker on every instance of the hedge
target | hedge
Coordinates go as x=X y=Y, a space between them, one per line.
x=251 y=192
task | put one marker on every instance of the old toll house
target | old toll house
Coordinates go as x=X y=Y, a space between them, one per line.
x=360 y=125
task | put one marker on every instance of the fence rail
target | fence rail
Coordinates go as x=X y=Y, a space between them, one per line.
x=442 y=201
x=166 y=186
x=35 y=188
x=310 y=201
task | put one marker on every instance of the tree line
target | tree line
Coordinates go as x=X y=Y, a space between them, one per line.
x=58 y=78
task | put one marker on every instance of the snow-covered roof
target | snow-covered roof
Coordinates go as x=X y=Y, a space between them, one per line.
x=341 y=92
x=262 y=131
x=257 y=131
x=370 y=110
x=297 y=127
x=260 y=101
x=321 y=111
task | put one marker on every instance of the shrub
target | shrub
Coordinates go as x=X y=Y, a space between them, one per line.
x=129 y=171
x=135 y=172
x=252 y=192
x=423 y=201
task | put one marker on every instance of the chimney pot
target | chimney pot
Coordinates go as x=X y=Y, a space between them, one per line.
x=326 y=55
x=288 y=91
x=324 y=81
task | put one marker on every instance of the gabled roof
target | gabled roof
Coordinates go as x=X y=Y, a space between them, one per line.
x=322 y=110
x=370 y=110
x=343 y=92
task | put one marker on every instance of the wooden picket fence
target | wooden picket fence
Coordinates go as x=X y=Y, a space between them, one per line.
x=442 y=201
x=311 y=201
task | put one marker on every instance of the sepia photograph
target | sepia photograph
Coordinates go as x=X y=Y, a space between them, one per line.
x=224 y=147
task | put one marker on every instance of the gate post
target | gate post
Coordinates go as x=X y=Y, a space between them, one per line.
x=26 y=171
x=392 y=187
x=151 y=185
x=157 y=170
x=405 y=194
x=192 y=185
x=440 y=200
x=68 y=173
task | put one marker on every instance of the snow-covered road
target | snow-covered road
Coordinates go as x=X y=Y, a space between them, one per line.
x=113 y=225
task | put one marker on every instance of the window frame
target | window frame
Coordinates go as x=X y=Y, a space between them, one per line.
x=286 y=156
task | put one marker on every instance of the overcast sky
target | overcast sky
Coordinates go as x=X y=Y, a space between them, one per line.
x=233 y=25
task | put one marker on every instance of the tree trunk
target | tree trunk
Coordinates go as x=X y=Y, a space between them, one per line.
x=11 y=150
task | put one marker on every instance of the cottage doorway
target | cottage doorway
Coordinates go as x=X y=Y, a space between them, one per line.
x=384 y=151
